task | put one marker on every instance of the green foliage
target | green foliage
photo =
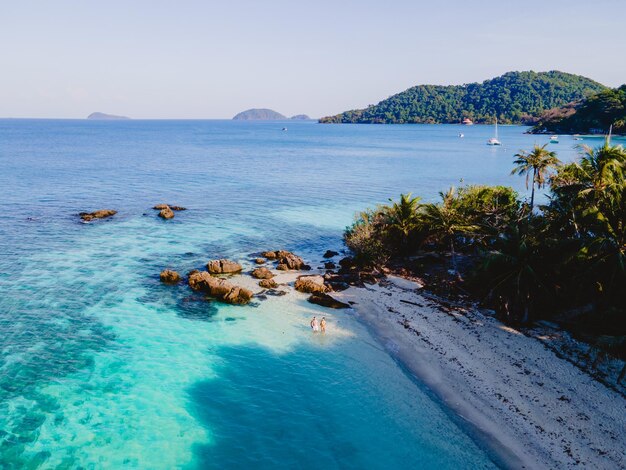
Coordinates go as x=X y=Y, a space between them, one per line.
x=592 y=115
x=515 y=97
x=570 y=253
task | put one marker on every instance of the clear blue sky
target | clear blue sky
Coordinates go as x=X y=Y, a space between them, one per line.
x=210 y=59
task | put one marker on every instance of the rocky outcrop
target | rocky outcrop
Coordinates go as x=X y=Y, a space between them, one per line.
x=170 y=277
x=100 y=214
x=166 y=213
x=326 y=300
x=160 y=207
x=330 y=254
x=259 y=260
x=310 y=284
x=287 y=260
x=219 y=288
x=223 y=266
x=268 y=284
x=262 y=273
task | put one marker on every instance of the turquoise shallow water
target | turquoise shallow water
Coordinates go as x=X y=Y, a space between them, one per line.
x=101 y=366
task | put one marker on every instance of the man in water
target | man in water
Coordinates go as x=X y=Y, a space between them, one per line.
x=314 y=325
x=323 y=324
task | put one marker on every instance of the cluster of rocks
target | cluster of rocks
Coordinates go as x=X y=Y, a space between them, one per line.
x=219 y=288
x=287 y=260
x=166 y=211
x=317 y=285
x=99 y=214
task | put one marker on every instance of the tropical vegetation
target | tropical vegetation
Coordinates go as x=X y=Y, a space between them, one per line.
x=591 y=115
x=514 y=98
x=565 y=259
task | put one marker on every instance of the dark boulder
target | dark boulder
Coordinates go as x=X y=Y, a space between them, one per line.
x=330 y=254
x=326 y=300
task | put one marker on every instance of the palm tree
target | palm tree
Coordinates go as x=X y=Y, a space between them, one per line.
x=404 y=217
x=444 y=222
x=538 y=163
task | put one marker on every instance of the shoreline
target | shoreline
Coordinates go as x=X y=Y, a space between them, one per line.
x=528 y=407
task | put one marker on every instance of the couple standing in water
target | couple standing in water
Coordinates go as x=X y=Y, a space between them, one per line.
x=317 y=327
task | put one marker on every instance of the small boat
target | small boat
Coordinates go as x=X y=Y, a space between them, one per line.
x=577 y=137
x=554 y=139
x=461 y=135
x=467 y=122
x=284 y=128
x=494 y=140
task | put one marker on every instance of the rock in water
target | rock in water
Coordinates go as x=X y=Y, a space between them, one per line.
x=223 y=266
x=166 y=213
x=259 y=261
x=219 y=288
x=326 y=300
x=268 y=284
x=170 y=277
x=310 y=284
x=262 y=273
x=330 y=254
x=178 y=208
x=100 y=214
x=160 y=207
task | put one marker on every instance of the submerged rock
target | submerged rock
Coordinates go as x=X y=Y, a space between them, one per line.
x=268 y=283
x=262 y=273
x=178 y=208
x=219 y=288
x=259 y=260
x=170 y=277
x=223 y=266
x=326 y=300
x=330 y=265
x=330 y=254
x=160 y=207
x=99 y=214
x=166 y=213
x=310 y=284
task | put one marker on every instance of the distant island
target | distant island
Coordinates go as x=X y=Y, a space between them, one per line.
x=592 y=115
x=514 y=98
x=106 y=117
x=264 y=114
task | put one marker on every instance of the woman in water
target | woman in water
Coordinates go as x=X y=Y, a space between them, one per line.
x=314 y=325
x=323 y=324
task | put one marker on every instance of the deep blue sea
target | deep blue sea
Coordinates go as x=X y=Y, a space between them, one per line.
x=102 y=366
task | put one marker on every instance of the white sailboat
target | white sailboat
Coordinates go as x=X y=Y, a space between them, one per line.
x=494 y=140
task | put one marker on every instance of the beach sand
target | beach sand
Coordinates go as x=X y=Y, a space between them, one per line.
x=532 y=408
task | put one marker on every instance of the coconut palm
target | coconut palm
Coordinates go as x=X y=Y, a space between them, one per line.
x=403 y=218
x=444 y=222
x=536 y=163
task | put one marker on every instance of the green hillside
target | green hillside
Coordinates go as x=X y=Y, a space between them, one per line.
x=588 y=116
x=515 y=97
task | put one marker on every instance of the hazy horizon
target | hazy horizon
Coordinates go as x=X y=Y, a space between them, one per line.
x=210 y=60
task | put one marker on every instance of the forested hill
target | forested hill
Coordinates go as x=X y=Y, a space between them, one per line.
x=515 y=97
x=593 y=115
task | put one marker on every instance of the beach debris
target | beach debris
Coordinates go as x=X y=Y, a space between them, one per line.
x=99 y=214
x=170 y=277
x=330 y=254
x=219 y=288
x=325 y=300
x=223 y=266
x=268 y=283
x=310 y=284
x=262 y=273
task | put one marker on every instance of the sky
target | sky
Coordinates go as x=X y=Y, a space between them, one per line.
x=189 y=59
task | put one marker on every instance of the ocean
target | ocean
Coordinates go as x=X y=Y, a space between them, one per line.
x=102 y=366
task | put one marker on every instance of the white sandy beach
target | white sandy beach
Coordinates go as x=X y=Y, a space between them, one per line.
x=534 y=409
